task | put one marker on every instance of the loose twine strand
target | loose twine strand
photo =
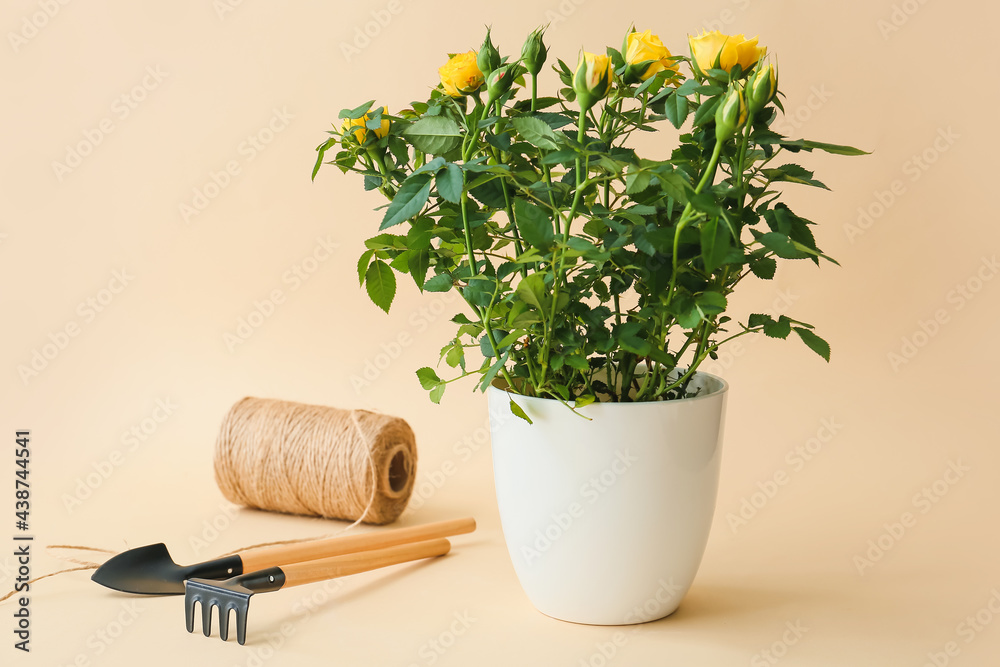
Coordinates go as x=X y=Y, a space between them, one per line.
x=297 y=458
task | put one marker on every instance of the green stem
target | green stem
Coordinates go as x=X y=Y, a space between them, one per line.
x=534 y=93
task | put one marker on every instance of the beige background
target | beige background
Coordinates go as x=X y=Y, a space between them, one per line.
x=912 y=81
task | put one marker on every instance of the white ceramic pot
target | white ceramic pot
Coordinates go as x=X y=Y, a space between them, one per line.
x=606 y=520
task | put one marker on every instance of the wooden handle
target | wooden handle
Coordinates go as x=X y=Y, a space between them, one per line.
x=258 y=559
x=322 y=569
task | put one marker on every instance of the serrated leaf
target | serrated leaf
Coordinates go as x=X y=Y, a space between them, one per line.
x=380 y=281
x=782 y=246
x=764 y=267
x=536 y=132
x=814 y=342
x=779 y=329
x=434 y=135
x=439 y=283
x=835 y=149
x=676 y=108
x=428 y=378
x=437 y=392
x=410 y=198
x=533 y=292
x=366 y=257
x=637 y=181
x=449 y=183
x=356 y=112
x=417 y=263
x=714 y=244
x=533 y=223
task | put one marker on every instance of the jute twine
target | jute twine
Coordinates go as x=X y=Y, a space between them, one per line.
x=316 y=460
x=303 y=459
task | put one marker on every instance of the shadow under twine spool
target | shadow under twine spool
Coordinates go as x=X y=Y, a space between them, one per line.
x=316 y=460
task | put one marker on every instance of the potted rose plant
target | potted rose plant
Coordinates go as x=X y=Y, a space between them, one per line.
x=597 y=282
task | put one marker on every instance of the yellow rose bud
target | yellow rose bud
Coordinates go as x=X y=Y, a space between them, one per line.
x=731 y=113
x=362 y=130
x=646 y=55
x=762 y=88
x=461 y=75
x=713 y=50
x=593 y=79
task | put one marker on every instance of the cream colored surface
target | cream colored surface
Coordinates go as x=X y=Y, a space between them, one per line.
x=213 y=81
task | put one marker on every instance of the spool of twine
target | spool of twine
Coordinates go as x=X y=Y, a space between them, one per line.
x=316 y=460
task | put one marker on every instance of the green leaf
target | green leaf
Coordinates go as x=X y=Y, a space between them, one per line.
x=676 y=109
x=793 y=173
x=366 y=257
x=815 y=343
x=637 y=181
x=408 y=201
x=533 y=292
x=356 y=112
x=449 y=183
x=714 y=244
x=533 y=223
x=320 y=152
x=710 y=303
x=428 y=378
x=518 y=412
x=835 y=149
x=439 y=283
x=536 y=132
x=782 y=246
x=435 y=135
x=418 y=262
x=437 y=392
x=492 y=372
x=706 y=111
x=779 y=329
x=764 y=267
x=380 y=281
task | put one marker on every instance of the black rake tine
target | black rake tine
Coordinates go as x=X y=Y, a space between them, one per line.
x=206 y=617
x=241 y=624
x=224 y=622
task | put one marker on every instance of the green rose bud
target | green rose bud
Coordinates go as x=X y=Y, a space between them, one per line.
x=731 y=113
x=592 y=80
x=762 y=87
x=534 y=53
x=488 y=58
x=499 y=82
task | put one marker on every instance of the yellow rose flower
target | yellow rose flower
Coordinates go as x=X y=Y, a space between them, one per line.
x=715 y=50
x=362 y=130
x=461 y=75
x=644 y=47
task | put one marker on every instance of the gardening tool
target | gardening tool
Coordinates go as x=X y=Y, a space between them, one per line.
x=150 y=570
x=234 y=594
